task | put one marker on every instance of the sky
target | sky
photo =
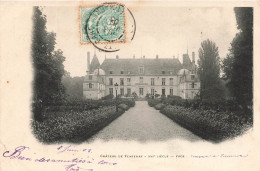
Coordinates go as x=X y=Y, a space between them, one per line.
x=166 y=31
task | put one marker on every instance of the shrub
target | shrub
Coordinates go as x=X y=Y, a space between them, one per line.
x=159 y=106
x=108 y=97
x=76 y=120
x=209 y=124
x=128 y=102
x=74 y=126
x=153 y=102
x=174 y=97
x=123 y=106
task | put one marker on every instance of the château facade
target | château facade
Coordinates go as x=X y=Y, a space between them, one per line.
x=162 y=76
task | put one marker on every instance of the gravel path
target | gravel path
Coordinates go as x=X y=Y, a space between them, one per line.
x=143 y=123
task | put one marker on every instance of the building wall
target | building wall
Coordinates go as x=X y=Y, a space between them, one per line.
x=145 y=83
x=180 y=87
x=187 y=92
x=97 y=91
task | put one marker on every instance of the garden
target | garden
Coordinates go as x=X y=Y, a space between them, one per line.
x=76 y=121
x=215 y=122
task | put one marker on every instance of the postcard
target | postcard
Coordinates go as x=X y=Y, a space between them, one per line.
x=129 y=85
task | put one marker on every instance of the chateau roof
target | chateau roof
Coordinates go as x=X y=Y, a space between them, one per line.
x=151 y=66
x=94 y=63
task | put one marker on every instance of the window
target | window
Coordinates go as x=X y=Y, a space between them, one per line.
x=192 y=77
x=171 y=92
x=128 y=81
x=141 y=70
x=122 y=91
x=192 y=85
x=129 y=91
x=111 y=91
x=121 y=81
x=121 y=72
x=141 y=80
x=163 y=72
x=90 y=77
x=152 y=91
x=171 y=72
x=152 y=81
x=128 y=72
x=110 y=72
x=90 y=85
x=110 y=81
x=171 y=81
x=192 y=94
x=163 y=81
x=163 y=91
x=141 y=91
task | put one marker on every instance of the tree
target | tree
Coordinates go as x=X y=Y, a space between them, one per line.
x=73 y=87
x=209 y=70
x=238 y=65
x=48 y=66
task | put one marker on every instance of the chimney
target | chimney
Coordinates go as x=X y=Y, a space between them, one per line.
x=117 y=57
x=88 y=61
x=157 y=57
x=193 y=57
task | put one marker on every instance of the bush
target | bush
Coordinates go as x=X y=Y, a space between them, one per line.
x=76 y=120
x=209 y=124
x=153 y=102
x=128 y=102
x=108 y=97
x=174 y=97
x=123 y=106
x=159 y=106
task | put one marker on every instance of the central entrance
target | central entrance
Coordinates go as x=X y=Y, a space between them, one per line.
x=141 y=92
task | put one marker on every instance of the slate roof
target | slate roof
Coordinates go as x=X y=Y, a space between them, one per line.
x=94 y=63
x=151 y=66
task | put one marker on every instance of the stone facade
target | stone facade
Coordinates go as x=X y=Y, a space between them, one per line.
x=165 y=76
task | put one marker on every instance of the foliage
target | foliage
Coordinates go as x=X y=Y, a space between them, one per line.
x=48 y=66
x=159 y=106
x=173 y=97
x=134 y=95
x=76 y=120
x=123 y=106
x=209 y=70
x=110 y=96
x=128 y=102
x=238 y=65
x=209 y=124
x=222 y=105
x=79 y=105
x=73 y=86
x=153 y=102
x=74 y=126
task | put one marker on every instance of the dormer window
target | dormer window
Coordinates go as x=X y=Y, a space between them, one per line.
x=171 y=72
x=163 y=72
x=141 y=70
x=110 y=72
x=128 y=72
x=121 y=72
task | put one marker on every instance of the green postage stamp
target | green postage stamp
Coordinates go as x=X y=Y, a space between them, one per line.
x=102 y=24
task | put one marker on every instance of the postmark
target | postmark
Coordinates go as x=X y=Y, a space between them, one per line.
x=106 y=26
